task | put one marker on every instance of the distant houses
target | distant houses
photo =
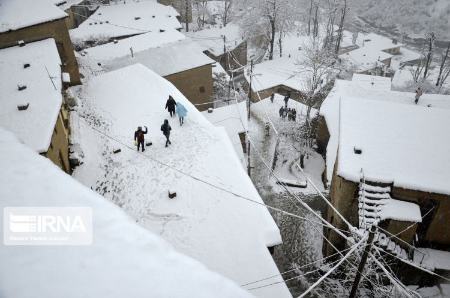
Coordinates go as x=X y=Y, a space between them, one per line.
x=387 y=165
x=27 y=21
x=31 y=100
x=119 y=20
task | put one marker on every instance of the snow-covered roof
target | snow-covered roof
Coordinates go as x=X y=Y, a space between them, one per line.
x=15 y=14
x=372 y=82
x=212 y=39
x=400 y=211
x=126 y=18
x=348 y=89
x=124 y=260
x=42 y=79
x=372 y=40
x=365 y=58
x=233 y=118
x=122 y=48
x=66 y=4
x=225 y=232
x=167 y=59
x=272 y=73
x=394 y=137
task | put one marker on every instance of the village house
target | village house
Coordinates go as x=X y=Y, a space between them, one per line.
x=388 y=173
x=169 y=54
x=278 y=76
x=224 y=45
x=31 y=101
x=28 y=21
x=182 y=7
x=120 y=20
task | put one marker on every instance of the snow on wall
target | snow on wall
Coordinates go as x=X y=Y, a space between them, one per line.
x=15 y=14
x=35 y=125
x=225 y=232
x=124 y=260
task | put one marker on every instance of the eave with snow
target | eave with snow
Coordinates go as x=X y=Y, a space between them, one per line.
x=210 y=221
x=388 y=163
x=31 y=98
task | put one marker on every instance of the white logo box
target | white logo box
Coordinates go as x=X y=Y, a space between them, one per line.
x=47 y=226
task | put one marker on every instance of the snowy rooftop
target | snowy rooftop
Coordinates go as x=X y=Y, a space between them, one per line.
x=124 y=260
x=365 y=58
x=372 y=82
x=432 y=259
x=234 y=119
x=390 y=148
x=34 y=126
x=15 y=14
x=225 y=232
x=282 y=71
x=138 y=43
x=372 y=40
x=212 y=39
x=167 y=59
x=126 y=18
x=66 y=4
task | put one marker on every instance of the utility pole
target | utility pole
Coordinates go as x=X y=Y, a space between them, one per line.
x=249 y=169
x=362 y=264
x=186 y=14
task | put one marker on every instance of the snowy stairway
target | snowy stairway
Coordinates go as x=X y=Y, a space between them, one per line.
x=372 y=197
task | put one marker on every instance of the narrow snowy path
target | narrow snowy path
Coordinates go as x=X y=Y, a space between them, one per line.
x=302 y=241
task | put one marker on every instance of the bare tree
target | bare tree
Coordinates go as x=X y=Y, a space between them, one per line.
x=444 y=66
x=430 y=39
x=341 y=27
x=227 y=8
x=202 y=11
x=269 y=18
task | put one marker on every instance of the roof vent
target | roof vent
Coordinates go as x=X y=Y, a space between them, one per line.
x=162 y=30
x=21 y=87
x=153 y=16
x=90 y=24
x=107 y=22
x=21 y=43
x=26 y=65
x=137 y=18
x=23 y=107
x=357 y=150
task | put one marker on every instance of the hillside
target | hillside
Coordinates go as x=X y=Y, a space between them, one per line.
x=414 y=17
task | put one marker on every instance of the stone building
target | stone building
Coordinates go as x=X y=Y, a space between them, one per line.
x=30 y=21
x=385 y=168
x=31 y=99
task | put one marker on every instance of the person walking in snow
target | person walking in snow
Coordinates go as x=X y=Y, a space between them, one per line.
x=272 y=97
x=165 y=128
x=281 y=112
x=139 y=137
x=419 y=93
x=286 y=99
x=294 y=115
x=181 y=112
x=170 y=105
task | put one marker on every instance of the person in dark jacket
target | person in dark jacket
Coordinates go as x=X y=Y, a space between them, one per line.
x=165 y=128
x=281 y=111
x=286 y=99
x=139 y=137
x=170 y=105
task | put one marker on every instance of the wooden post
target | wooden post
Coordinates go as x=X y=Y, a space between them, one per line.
x=362 y=264
x=248 y=118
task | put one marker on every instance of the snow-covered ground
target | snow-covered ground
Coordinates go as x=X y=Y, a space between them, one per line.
x=227 y=233
x=124 y=260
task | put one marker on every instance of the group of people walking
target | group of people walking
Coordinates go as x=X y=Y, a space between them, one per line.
x=174 y=108
x=291 y=114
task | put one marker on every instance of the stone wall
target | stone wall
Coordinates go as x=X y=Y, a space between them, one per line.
x=56 y=29
x=196 y=84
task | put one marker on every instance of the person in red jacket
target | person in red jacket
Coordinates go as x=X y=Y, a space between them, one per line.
x=139 y=137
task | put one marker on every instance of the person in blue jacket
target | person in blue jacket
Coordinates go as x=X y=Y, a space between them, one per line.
x=181 y=112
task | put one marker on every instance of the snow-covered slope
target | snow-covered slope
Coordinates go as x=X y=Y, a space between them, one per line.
x=124 y=260
x=206 y=221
